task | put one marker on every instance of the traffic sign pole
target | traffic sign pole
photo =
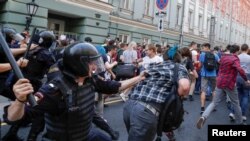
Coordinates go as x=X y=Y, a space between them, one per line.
x=161 y=5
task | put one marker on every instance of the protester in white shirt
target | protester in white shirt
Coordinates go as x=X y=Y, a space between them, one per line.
x=151 y=56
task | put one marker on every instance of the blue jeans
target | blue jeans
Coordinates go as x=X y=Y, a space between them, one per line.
x=140 y=122
x=243 y=94
x=96 y=135
x=197 y=89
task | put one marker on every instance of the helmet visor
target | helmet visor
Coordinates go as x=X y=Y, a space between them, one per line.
x=97 y=65
x=18 y=37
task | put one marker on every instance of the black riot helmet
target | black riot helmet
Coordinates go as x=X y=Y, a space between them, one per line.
x=11 y=34
x=78 y=56
x=46 y=38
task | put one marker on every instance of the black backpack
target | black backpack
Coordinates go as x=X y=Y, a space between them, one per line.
x=172 y=113
x=210 y=62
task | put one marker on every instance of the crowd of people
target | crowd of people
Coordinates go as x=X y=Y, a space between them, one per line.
x=72 y=79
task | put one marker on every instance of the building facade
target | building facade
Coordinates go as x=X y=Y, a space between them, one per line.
x=216 y=21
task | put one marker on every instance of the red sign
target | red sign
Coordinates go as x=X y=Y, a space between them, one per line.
x=161 y=4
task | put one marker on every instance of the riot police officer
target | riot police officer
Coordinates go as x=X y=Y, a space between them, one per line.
x=40 y=59
x=68 y=101
x=10 y=35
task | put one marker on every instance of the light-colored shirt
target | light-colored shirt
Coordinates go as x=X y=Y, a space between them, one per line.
x=245 y=62
x=147 y=60
x=129 y=56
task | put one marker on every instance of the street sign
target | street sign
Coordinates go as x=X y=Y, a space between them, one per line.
x=160 y=24
x=161 y=4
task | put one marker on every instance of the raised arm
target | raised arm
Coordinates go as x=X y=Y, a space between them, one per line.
x=21 y=89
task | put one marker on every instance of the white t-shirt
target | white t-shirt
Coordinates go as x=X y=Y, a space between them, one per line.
x=107 y=75
x=194 y=55
x=146 y=60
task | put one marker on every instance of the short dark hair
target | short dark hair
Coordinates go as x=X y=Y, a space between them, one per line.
x=158 y=45
x=185 y=52
x=228 y=47
x=234 y=48
x=206 y=45
x=88 y=39
x=193 y=43
x=244 y=47
x=111 y=47
x=216 y=48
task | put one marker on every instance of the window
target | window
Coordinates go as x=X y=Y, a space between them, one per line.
x=210 y=5
x=220 y=36
x=124 y=38
x=147 y=6
x=178 y=15
x=146 y=40
x=190 y=19
x=208 y=26
x=226 y=37
x=200 y=23
x=126 y=4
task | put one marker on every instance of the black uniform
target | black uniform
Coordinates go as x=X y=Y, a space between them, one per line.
x=68 y=117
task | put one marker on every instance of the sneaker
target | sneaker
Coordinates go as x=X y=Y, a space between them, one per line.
x=232 y=117
x=200 y=122
x=244 y=118
x=191 y=98
x=123 y=96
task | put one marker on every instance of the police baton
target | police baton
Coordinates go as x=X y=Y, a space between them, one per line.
x=15 y=67
x=30 y=43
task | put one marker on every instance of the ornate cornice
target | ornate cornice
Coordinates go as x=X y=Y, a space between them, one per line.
x=91 y=4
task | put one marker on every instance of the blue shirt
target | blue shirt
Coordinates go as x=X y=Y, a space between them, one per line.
x=101 y=49
x=204 y=72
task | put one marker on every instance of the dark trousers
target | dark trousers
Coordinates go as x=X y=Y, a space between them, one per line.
x=96 y=135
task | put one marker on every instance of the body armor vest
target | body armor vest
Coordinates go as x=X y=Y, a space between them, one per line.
x=75 y=123
x=37 y=66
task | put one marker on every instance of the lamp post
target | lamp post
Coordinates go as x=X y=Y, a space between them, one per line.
x=31 y=10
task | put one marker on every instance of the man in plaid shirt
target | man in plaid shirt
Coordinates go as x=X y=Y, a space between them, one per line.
x=226 y=80
x=141 y=111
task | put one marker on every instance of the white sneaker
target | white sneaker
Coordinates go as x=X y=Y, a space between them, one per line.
x=200 y=122
x=244 y=118
x=232 y=117
x=123 y=96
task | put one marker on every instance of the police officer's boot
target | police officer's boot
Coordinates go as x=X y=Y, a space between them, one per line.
x=12 y=134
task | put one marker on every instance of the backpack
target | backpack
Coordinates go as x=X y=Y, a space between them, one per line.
x=172 y=113
x=210 y=62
